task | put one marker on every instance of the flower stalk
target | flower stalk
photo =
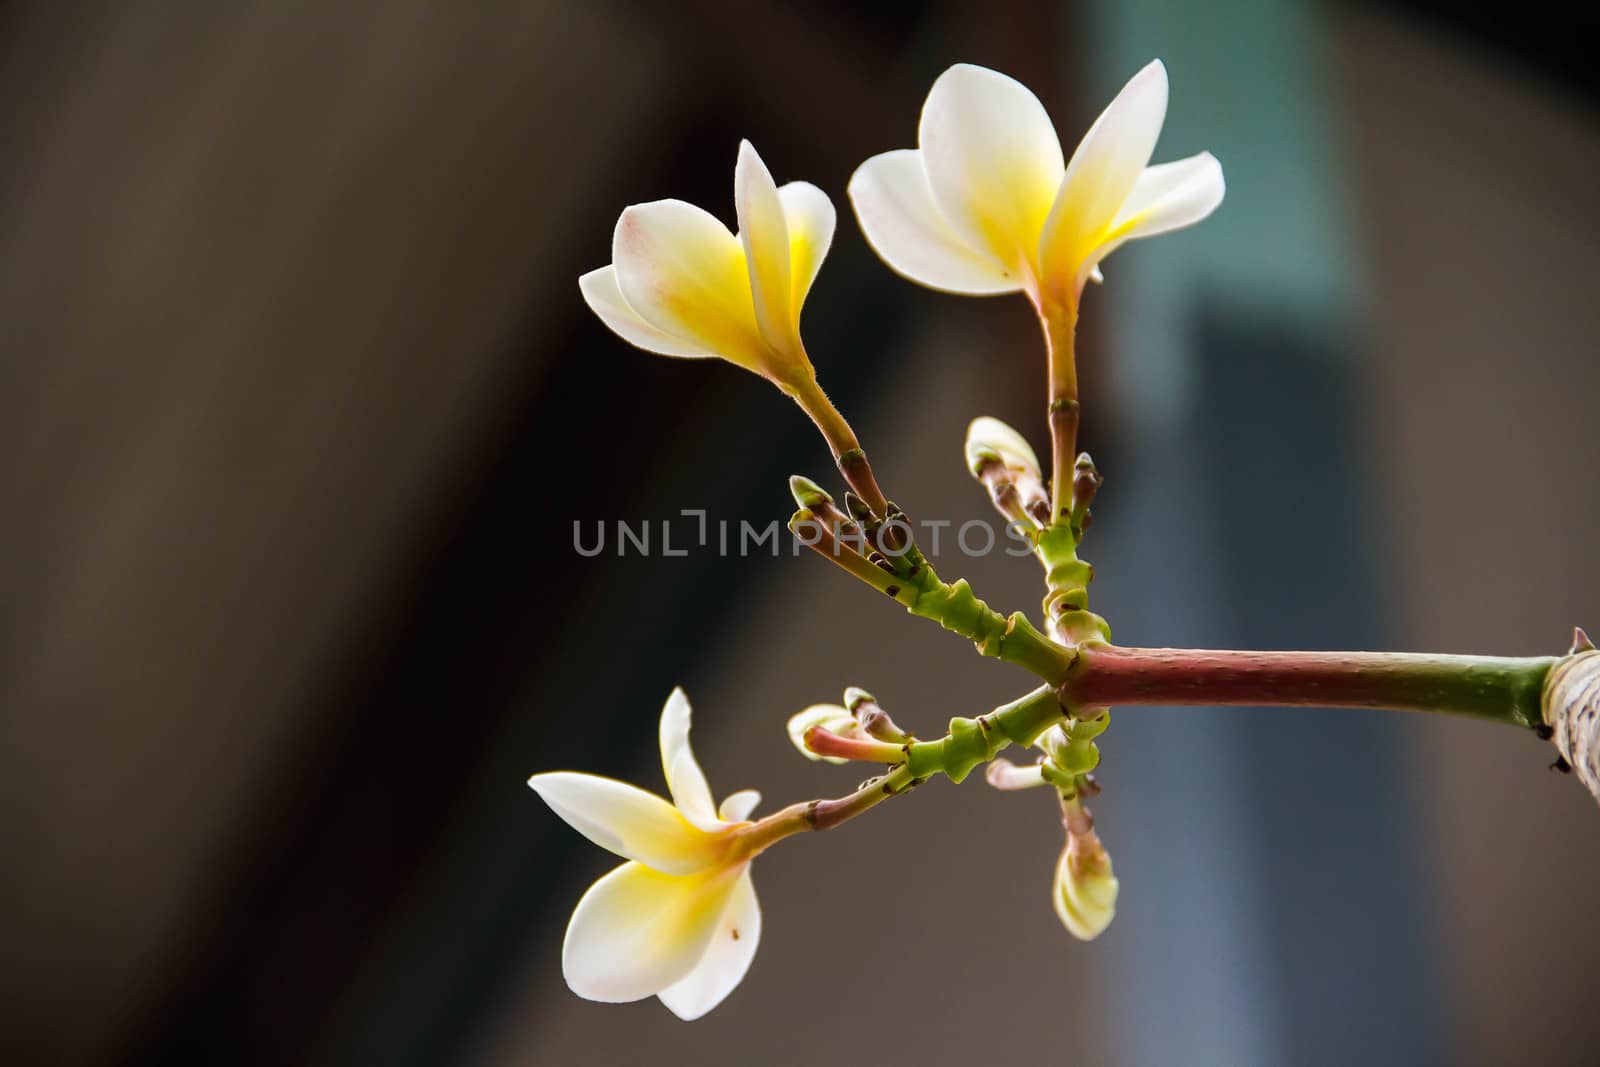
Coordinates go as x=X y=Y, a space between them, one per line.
x=1060 y=323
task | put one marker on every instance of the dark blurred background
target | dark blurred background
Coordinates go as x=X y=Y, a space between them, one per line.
x=299 y=405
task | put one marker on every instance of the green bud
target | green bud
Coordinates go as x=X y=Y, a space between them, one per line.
x=808 y=494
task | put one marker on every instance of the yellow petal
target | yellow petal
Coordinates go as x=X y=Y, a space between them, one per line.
x=894 y=206
x=600 y=292
x=685 y=780
x=682 y=272
x=727 y=958
x=1100 y=177
x=810 y=218
x=993 y=161
x=765 y=236
x=638 y=931
x=628 y=821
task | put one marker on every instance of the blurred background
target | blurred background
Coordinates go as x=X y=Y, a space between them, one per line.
x=299 y=406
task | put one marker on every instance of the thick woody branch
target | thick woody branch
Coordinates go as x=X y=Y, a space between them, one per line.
x=1505 y=689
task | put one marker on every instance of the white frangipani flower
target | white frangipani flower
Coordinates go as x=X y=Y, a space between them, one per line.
x=987 y=204
x=679 y=920
x=681 y=284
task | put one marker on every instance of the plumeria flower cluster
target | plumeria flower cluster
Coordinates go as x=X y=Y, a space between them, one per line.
x=985 y=204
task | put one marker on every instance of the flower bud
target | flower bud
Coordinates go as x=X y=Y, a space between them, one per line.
x=990 y=440
x=830 y=717
x=1085 y=891
x=808 y=494
x=1006 y=776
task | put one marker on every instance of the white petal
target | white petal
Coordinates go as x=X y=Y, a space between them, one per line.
x=765 y=236
x=811 y=218
x=638 y=931
x=993 y=160
x=628 y=821
x=828 y=716
x=736 y=807
x=733 y=947
x=896 y=211
x=600 y=292
x=1102 y=173
x=685 y=780
x=1170 y=196
x=681 y=271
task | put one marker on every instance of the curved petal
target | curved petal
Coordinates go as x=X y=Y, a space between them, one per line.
x=638 y=931
x=1102 y=173
x=727 y=959
x=600 y=292
x=628 y=821
x=736 y=807
x=896 y=211
x=811 y=219
x=685 y=780
x=682 y=272
x=1168 y=196
x=765 y=236
x=993 y=160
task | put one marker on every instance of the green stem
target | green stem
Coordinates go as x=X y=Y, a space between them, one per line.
x=1499 y=688
x=847 y=451
x=822 y=814
x=1013 y=639
x=968 y=743
x=1060 y=323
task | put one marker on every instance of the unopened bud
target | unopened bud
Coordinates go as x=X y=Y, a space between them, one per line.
x=808 y=494
x=830 y=717
x=1085 y=889
x=1004 y=775
x=990 y=440
x=872 y=719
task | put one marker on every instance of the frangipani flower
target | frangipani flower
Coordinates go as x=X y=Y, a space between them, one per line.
x=680 y=284
x=679 y=920
x=987 y=204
